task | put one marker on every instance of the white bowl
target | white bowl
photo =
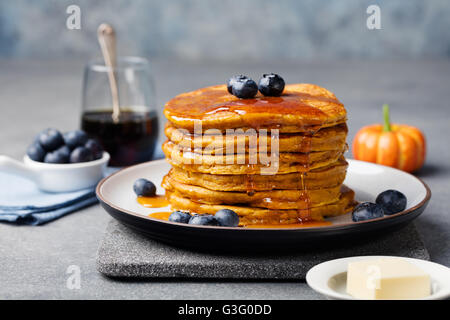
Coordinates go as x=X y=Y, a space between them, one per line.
x=52 y=177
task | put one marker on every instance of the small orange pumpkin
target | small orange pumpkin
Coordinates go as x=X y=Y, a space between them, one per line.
x=395 y=145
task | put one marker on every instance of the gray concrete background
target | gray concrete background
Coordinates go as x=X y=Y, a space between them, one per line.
x=229 y=30
x=38 y=94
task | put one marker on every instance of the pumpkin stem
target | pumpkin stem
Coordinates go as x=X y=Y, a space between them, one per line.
x=387 y=124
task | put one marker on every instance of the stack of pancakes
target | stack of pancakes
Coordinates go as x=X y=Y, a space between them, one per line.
x=272 y=160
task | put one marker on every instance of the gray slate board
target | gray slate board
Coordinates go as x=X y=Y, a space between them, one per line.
x=125 y=253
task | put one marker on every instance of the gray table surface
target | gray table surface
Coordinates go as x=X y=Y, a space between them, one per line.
x=39 y=94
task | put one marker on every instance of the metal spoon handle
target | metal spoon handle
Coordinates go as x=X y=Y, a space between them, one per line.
x=107 y=40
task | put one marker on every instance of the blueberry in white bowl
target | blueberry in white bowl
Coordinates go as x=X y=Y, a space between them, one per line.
x=76 y=138
x=50 y=139
x=227 y=218
x=81 y=154
x=180 y=216
x=36 y=152
x=144 y=188
x=392 y=201
x=203 y=220
x=64 y=151
x=367 y=211
x=50 y=146
x=95 y=147
x=60 y=155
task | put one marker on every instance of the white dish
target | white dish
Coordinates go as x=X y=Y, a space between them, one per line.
x=329 y=278
x=53 y=177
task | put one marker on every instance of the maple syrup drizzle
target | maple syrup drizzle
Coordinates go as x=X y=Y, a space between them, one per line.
x=164 y=215
x=213 y=101
x=153 y=202
x=249 y=182
x=304 y=215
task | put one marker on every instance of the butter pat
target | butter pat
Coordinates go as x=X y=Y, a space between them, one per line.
x=387 y=278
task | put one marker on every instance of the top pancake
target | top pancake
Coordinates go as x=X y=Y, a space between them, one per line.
x=301 y=108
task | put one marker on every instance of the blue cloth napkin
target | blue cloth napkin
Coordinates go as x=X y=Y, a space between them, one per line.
x=22 y=202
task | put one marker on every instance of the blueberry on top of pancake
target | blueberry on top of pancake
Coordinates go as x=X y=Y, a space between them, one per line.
x=271 y=85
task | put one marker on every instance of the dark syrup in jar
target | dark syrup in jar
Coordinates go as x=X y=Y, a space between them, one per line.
x=129 y=141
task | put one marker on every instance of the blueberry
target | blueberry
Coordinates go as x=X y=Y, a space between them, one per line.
x=271 y=84
x=81 y=154
x=51 y=139
x=244 y=88
x=180 y=216
x=60 y=155
x=233 y=80
x=95 y=147
x=144 y=188
x=227 y=218
x=36 y=139
x=367 y=211
x=65 y=150
x=76 y=138
x=392 y=201
x=203 y=220
x=64 y=153
x=36 y=152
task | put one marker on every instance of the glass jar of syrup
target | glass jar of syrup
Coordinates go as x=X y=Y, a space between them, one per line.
x=131 y=136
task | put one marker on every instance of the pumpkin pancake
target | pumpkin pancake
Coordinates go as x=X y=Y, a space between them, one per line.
x=273 y=199
x=332 y=138
x=222 y=159
x=301 y=108
x=240 y=163
x=325 y=177
x=250 y=216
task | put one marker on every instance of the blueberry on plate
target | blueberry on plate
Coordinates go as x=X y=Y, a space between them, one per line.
x=144 y=188
x=244 y=88
x=81 y=154
x=271 y=84
x=76 y=138
x=227 y=218
x=367 y=211
x=233 y=80
x=60 y=155
x=95 y=147
x=36 y=152
x=51 y=139
x=180 y=216
x=392 y=201
x=203 y=220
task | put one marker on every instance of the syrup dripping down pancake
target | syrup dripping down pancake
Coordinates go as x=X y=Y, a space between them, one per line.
x=325 y=177
x=332 y=138
x=239 y=164
x=273 y=199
